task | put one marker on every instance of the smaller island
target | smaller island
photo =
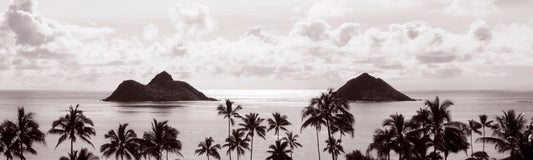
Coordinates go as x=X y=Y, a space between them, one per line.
x=161 y=88
x=368 y=88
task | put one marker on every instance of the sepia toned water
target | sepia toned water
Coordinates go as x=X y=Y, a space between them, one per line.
x=197 y=120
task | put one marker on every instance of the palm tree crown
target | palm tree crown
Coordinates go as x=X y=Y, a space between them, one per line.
x=22 y=133
x=208 y=148
x=162 y=137
x=278 y=151
x=237 y=141
x=123 y=143
x=334 y=147
x=277 y=123
x=292 y=140
x=84 y=154
x=252 y=124
x=72 y=126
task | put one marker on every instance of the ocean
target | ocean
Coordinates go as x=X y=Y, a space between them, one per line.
x=198 y=119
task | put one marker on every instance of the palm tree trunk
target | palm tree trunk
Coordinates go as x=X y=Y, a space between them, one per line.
x=229 y=135
x=252 y=147
x=483 y=137
x=21 y=151
x=278 y=135
x=71 y=147
x=122 y=157
x=329 y=136
x=207 y=157
x=471 y=144
x=317 y=144
x=167 y=154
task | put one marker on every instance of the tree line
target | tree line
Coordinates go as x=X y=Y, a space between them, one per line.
x=429 y=134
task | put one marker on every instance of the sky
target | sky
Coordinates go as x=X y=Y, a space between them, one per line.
x=94 y=45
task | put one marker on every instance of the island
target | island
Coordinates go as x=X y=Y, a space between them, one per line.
x=368 y=88
x=161 y=88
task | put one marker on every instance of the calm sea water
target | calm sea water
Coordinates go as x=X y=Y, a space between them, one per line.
x=197 y=120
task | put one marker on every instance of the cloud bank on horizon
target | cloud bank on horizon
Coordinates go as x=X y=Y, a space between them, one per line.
x=39 y=52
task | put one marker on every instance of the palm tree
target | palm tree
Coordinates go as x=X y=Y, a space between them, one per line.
x=229 y=113
x=331 y=106
x=84 y=154
x=382 y=143
x=357 y=155
x=206 y=147
x=440 y=114
x=507 y=134
x=278 y=151
x=313 y=120
x=343 y=123
x=161 y=138
x=473 y=127
x=277 y=123
x=399 y=141
x=334 y=147
x=237 y=141
x=292 y=140
x=7 y=135
x=484 y=123
x=418 y=134
x=455 y=138
x=72 y=126
x=23 y=134
x=123 y=143
x=252 y=124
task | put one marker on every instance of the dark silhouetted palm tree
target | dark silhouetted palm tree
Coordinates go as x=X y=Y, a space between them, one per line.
x=238 y=142
x=382 y=143
x=330 y=107
x=357 y=155
x=84 y=154
x=208 y=148
x=473 y=127
x=440 y=114
x=508 y=134
x=485 y=123
x=399 y=141
x=122 y=143
x=25 y=131
x=278 y=151
x=292 y=140
x=311 y=118
x=334 y=147
x=8 y=132
x=252 y=124
x=161 y=138
x=72 y=126
x=229 y=113
x=455 y=138
x=277 y=123
x=343 y=123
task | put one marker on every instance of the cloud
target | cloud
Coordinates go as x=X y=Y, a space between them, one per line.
x=258 y=32
x=191 y=20
x=472 y=8
x=329 y=9
x=313 y=28
x=150 y=32
x=313 y=49
x=480 y=31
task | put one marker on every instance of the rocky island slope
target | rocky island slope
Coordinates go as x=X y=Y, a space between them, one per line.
x=161 y=88
x=368 y=88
